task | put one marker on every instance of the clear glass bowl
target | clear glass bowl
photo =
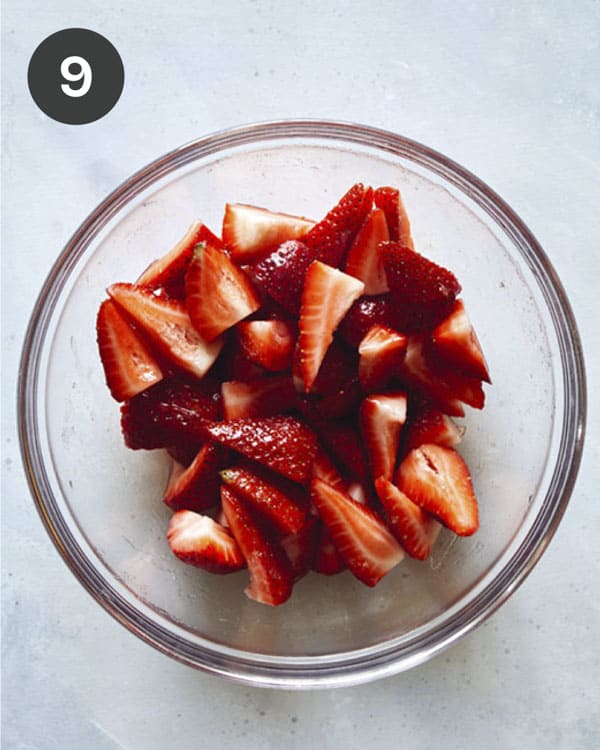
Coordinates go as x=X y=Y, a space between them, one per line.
x=101 y=503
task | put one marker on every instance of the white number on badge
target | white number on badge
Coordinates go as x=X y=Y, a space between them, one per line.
x=84 y=75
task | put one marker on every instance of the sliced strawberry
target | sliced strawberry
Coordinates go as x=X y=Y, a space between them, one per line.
x=381 y=353
x=250 y=232
x=171 y=268
x=278 y=504
x=339 y=366
x=174 y=412
x=262 y=397
x=300 y=548
x=233 y=364
x=268 y=343
x=168 y=325
x=357 y=492
x=281 y=274
x=200 y=541
x=361 y=537
x=432 y=426
x=327 y=560
x=342 y=402
x=364 y=314
x=438 y=480
x=390 y=201
x=364 y=261
x=283 y=444
x=342 y=440
x=185 y=453
x=456 y=342
x=332 y=236
x=324 y=468
x=129 y=366
x=271 y=575
x=218 y=293
x=414 y=528
x=197 y=487
x=424 y=292
x=327 y=296
x=381 y=419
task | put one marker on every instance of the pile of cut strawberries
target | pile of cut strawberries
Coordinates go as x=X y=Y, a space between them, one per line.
x=303 y=376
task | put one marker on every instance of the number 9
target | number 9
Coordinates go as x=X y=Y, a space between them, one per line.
x=84 y=74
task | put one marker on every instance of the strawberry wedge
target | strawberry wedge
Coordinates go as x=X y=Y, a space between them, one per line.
x=327 y=560
x=281 y=273
x=381 y=419
x=249 y=232
x=456 y=342
x=260 y=397
x=364 y=261
x=300 y=547
x=168 y=325
x=129 y=366
x=268 y=343
x=271 y=574
x=197 y=487
x=390 y=201
x=360 y=536
x=328 y=295
x=432 y=426
x=200 y=541
x=381 y=352
x=438 y=480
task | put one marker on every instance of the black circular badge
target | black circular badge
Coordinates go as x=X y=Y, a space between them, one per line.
x=75 y=76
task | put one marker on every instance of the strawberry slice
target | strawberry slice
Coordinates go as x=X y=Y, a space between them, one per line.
x=300 y=548
x=456 y=342
x=279 y=504
x=361 y=537
x=271 y=575
x=185 y=453
x=218 y=293
x=390 y=201
x=342 y=440
x=424 y=292
x=197 y=487
x=281 y=274
x=262 y=397
x=129 y=366
x=168 y=325
x=249 y=232
x=432 y=426
x=233 y=364
x=327 y=296
x=381 y=352
x=171 y=268
x=200 y=541
x=332 y=236
x=283 y=444
x=324 y=468
x=381 y=419
x=364 y=261
x=174 y=412
x=327 y=560
x=438 y=480
x=339 y=366
x=414 y=528
x=268 y=343
x=364 y=314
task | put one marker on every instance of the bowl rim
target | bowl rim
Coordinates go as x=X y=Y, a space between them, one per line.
x=350 y=667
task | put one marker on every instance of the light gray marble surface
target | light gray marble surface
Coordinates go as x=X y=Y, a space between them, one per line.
x=508 y=89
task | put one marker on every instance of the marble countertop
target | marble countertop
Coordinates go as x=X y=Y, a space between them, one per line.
x=510 y=90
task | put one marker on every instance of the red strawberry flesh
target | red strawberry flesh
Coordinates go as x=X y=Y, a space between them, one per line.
x=197 y=487
x=390 y=201
x=364 y=260
x=382 y=417
x=268 y=343
x=456 y=342
x=200 y=541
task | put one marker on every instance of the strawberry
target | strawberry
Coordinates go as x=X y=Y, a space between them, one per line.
x=360 y=536
x=197 y=487
x=173 y=412
x=268 y=343
x=364 y=314
x=456 y=342
x=129 y=366
x=438 y=480
x=342 y=402
x=414 y=528
x=271 y=575
x=390 y=201
x=185 y=453
x=300 y=547
x=281 y=443
x=250 y=232
x=261 y=397
x=381 y=419
x=327 y=296
x=168 y=325
x=341 y=438
x=339 y=365
x=432 y=426
x=423 y=291
x=218 y=293
x=364 y=261
x=327 y=560
x=381 y=352
x=281 y=274
x=171 y=268
x=332 y=236
x=200 y=541
x=279 y=504
x=324 y=468
x=233 y=364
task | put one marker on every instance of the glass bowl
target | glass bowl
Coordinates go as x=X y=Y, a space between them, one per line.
x=101 y=503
